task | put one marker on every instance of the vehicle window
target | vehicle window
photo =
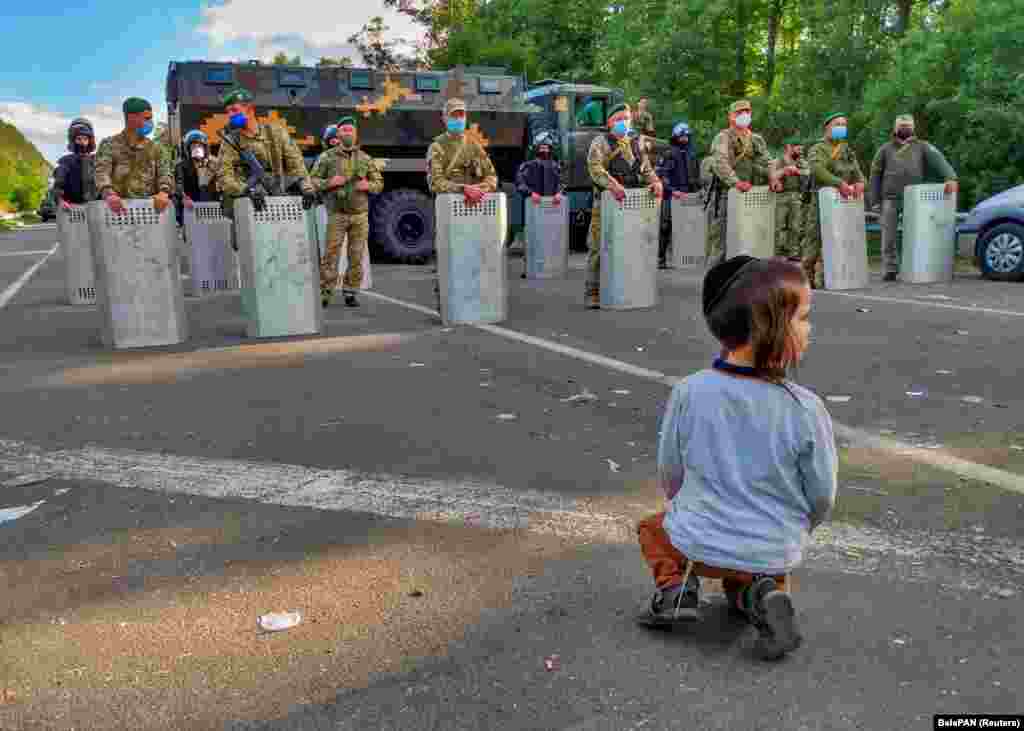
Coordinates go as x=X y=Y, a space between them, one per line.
x=590 y=110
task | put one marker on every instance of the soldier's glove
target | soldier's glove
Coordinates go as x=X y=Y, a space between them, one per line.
x=308 y=200
x=258 y=196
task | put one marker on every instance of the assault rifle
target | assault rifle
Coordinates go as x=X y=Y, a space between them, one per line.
x=259 y=183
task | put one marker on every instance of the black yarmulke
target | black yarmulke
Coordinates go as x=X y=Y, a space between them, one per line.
x=720 y=277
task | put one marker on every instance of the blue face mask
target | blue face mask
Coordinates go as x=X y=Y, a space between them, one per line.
x=621 y=128
x=456 y=126
x=238 y=120
x=145 y=130
x=839 y=133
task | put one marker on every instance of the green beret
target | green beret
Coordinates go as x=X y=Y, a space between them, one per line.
x=616 y=109
x=793 y=140
x=235 y=96
x=134 y=105
x=832 y=116
x=347 y=120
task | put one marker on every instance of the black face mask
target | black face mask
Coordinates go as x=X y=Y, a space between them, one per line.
x=904 y=134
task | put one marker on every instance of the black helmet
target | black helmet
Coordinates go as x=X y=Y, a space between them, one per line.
x=546 y=137
x=81 y=126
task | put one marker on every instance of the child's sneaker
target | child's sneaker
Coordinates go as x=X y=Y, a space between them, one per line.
x=771 y=611
x=672 y=605
x=326 y=296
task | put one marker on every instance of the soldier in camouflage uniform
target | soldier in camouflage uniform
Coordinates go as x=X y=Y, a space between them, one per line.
x=792 y=177
x=904 y=160
x=644 y=119
x=345 y=175
x=269 y=143
x=615 y=162
x=458 y=165
x=833 y=164
x=128 y=165
x=739 y=160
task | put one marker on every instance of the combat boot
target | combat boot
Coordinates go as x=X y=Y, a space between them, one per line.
x=672 y=605
x=889 y=277
x=350 y=300
x=771 y=612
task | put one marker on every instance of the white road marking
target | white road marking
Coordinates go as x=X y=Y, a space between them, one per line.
x=8 y=294
x=919 y=303
x=934 y=458
x=35 y=252
x=469 y=503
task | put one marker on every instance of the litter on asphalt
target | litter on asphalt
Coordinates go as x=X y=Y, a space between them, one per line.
x=279 y=621
x=838 y=399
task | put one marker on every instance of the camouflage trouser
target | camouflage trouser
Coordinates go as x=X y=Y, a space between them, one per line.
x=593 y=278
x=812 y=245
x=717 y=227
x=890 y=221
x=789 y=226
x=356 y=228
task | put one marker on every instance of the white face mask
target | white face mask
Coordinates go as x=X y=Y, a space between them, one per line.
x=198 y=153
x=743 y=120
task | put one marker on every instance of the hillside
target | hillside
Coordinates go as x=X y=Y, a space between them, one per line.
x=23 y=170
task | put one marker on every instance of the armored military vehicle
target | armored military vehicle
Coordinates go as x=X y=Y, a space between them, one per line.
x=576 y=114
x=399 y=114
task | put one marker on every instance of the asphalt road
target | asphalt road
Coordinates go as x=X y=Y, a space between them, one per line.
x=448 y=508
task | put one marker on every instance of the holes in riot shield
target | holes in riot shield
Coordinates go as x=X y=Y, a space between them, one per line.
x=278 y=212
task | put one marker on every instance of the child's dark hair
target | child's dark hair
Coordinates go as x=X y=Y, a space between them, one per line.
x=748 y=300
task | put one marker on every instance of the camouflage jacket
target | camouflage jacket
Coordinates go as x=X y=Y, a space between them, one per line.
x=354 y=165
x=452 y=163
x=276 y=152
x=899 y=164
x=832 y=164
x=792 y=183
x=739 y=157
x=132 y=169
x=601 y=155
x=645 y=123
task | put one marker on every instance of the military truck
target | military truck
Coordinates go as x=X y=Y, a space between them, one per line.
x=399 y=114
x=576 y=114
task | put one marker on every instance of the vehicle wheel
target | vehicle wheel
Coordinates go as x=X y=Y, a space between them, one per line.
x=1001 y=253
x=404 y=224
x=579 y=230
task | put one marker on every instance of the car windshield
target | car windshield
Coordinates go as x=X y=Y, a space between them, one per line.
x=590 y=110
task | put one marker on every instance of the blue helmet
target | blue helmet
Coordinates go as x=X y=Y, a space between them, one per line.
x=330 y=132
x=682 y=129
x=193 y=137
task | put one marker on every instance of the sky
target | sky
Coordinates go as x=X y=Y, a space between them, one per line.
x=83 y=58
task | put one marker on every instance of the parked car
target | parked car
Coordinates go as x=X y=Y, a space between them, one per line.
x=48 y=207
x=998 y=223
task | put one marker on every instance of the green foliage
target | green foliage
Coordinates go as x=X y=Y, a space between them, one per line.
x=23 y=171
x=283 y=59
x=343 y=62
x=954 y=64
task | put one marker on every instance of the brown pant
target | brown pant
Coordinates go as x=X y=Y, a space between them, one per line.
x=668 y=565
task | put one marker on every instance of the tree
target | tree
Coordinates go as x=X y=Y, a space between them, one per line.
x=377 y=51
x=283 y=59
x=342 y=62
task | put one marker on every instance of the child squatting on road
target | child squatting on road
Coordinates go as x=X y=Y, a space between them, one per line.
x=746 y=458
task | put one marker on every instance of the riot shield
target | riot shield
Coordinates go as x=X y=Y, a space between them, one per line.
x=471 y=258
x=138 y=279
x=547 y=238
x=689 y=232
x=280 y=280
x=844 y=246
x=79 y=276
x=929 y=234
x=750 y=228
x=629 y=250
